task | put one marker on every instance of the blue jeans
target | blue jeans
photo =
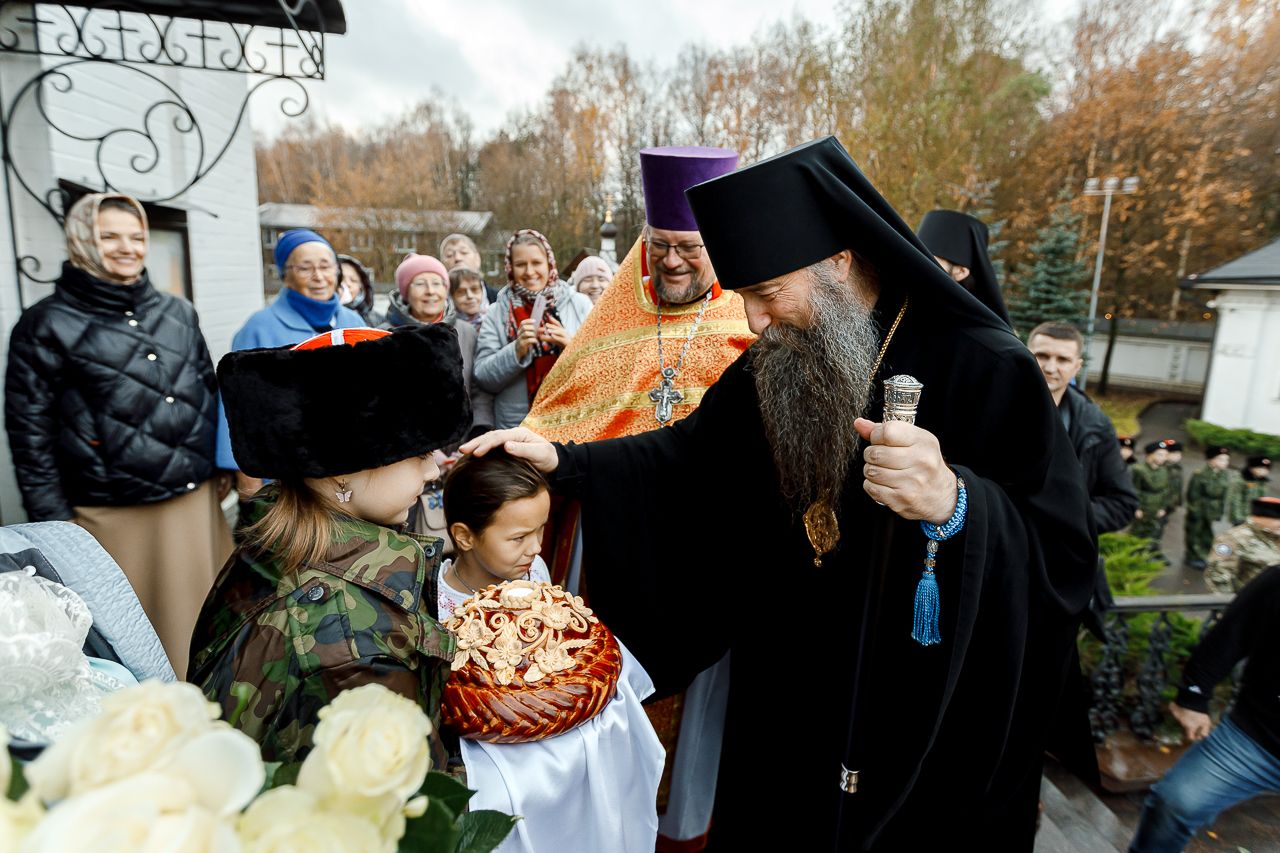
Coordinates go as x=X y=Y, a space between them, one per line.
x=1225 y=768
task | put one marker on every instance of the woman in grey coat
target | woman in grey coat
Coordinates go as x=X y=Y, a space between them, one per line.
x=516 y=350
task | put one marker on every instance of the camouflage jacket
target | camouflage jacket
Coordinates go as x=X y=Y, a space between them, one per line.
x=1241 y=498
x=273 y=647
x=1239 y=555
x=1208 y=491
x=1152 y=485
x=1175 y=483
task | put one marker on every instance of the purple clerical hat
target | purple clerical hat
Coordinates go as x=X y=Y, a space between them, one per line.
x=668 y=172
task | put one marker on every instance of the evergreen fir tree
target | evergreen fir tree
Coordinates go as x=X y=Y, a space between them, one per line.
x=1053 y=290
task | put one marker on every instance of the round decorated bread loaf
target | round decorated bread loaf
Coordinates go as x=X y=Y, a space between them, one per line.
x=533 y=661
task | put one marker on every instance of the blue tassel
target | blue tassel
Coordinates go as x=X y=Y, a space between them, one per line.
x=925 y=630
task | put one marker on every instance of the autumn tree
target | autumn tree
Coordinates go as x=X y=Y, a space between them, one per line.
x=943 y=103
x=1138 y=98
x=943 y=95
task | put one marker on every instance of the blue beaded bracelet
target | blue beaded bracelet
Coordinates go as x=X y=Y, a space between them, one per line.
x=954 y=524
x=925 y=629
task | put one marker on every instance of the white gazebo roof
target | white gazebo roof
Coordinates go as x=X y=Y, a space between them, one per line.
x=1258 y=269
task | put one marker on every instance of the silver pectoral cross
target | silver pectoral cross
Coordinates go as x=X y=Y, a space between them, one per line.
x=665 y=396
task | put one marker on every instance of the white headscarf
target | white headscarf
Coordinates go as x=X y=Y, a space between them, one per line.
x=84 y=244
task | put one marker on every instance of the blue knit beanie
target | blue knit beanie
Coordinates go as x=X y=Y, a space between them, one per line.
x=291 y=240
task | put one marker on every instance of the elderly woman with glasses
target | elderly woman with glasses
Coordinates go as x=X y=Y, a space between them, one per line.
x=307 y=305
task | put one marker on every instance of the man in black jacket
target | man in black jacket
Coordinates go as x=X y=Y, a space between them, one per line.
x=1241 y=758
x=1058 y=347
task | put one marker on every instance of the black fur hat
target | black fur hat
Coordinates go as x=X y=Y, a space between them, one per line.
x=338 y=409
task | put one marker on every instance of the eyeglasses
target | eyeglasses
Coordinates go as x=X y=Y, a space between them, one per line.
x=308 y=270
x=689 y=251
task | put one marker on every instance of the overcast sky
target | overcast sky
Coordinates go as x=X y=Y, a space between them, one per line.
x=493 y=56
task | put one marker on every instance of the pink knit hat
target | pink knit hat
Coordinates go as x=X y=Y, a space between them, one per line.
x=415 y=265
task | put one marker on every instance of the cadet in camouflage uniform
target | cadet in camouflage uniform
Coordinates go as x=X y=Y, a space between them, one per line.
x=275 y=646
x=1207 y=502
x=1151 y=480
x=1126 y=449
x=323 y=595
x=1174 y=466
x=1241 y=553
x=1252 y=484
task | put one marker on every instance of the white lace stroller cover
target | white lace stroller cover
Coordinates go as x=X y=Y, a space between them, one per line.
x=46 y=681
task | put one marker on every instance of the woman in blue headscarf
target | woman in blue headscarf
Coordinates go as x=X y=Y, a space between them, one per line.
x=308 y=304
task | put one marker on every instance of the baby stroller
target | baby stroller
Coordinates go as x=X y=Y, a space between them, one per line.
x=65 y=554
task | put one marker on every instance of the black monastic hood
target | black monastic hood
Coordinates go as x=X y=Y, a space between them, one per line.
x=963 y=239
x=793 y=210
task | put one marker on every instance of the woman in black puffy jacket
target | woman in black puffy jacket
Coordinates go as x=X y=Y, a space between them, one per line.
x=110 y=405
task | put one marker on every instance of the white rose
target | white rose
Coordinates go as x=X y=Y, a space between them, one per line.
x=17 y=820
x=291 y=820
x=140 y=728
x=223 y=767
x=369 y=743
x=146 y=813
x=6 y=761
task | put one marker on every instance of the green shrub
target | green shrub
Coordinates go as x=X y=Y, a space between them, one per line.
x=1244 y=441
x=1131 y=566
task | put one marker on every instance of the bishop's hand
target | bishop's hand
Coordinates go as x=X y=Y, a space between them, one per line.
x=905 y=471
x=519 y=442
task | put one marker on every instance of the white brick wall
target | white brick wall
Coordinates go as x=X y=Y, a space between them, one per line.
x=1151 y=363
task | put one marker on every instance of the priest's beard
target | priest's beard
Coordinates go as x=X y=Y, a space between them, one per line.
x=700 y=282
x=812 y=383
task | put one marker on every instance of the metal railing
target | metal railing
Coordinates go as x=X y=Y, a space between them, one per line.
x=1113 y=700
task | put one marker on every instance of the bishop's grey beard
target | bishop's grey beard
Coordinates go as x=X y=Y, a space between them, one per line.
x=812 y=384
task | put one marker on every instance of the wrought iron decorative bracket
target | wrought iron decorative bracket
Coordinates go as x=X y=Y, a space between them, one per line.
x=126 y=33
x=89 y=42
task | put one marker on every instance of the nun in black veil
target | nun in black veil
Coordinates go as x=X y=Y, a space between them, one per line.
x=959 y=242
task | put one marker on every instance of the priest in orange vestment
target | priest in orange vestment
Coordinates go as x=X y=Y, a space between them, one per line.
x=608 y=382
x=661 y=334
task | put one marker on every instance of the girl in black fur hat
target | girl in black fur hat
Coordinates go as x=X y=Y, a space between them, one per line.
x=325 y=593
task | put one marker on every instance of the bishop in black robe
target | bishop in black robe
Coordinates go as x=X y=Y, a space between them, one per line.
x=695 y=552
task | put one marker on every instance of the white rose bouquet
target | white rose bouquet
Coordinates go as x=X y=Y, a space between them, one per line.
x=158 y=771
